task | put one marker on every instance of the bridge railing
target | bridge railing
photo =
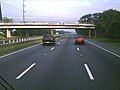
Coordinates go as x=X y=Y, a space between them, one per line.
x=19 y=40
x=45 y=23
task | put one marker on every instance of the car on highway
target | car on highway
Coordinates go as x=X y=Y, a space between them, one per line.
x=48 y=39
x=79 y=40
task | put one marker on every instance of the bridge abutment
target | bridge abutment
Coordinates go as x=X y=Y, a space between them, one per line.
x=52 y=32
x=90 y=33
x=8 y=33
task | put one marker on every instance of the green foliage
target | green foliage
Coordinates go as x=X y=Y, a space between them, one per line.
x=107 y=24
x=13 y=47
x=7 y=20
x=82 y=32
x=89 y=18
x=31 y=32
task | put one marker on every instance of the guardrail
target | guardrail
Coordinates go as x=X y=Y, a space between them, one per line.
x=19 y=40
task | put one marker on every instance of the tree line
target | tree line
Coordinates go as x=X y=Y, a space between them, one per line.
x=107 y=24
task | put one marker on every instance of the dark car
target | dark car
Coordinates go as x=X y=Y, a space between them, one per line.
x=48 y=39
x=79 y=41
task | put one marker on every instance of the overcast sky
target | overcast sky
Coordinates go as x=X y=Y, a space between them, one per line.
x=67 y=10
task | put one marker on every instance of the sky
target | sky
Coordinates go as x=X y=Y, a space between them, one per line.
x=55 y=10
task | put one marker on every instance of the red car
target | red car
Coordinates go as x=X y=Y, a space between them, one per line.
x=79 y=41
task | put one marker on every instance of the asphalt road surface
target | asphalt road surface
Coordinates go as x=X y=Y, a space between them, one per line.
x=62 y=67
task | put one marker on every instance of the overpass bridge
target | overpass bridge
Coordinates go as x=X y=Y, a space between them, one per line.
x=10 y=26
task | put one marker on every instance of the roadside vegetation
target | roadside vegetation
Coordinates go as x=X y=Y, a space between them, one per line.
x=1 y=37
x=111 y=42
x=107 y=26
x=5 y=49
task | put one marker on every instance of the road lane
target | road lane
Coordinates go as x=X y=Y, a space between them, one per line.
x=105 y=67
x=60 y=70
x=14 y=64
x=63 y=68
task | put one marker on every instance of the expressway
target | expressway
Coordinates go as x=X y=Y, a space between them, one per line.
x=62 y=67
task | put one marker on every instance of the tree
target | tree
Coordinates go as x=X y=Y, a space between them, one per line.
x=89 y=18
x=108 y=24
x=31 y=32
x=7 y=20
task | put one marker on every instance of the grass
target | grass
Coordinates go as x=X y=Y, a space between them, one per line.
x=113 y=43
x=1 y=38
x=5 y=49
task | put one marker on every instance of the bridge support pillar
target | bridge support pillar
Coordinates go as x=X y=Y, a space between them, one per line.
x=52 y=32
x=8 y=33
x=90 y=33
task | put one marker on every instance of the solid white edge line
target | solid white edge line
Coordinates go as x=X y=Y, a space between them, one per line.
x=78 y=49
x=103 y=49
x=18 y=77
x=18 y=51
x=89 y=72
x=52 y=48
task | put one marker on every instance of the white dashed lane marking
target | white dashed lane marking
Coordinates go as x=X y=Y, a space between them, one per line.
x=58 y=43
x=52 y=48
x=18 y=77
x=78 y=49
x=89 y=72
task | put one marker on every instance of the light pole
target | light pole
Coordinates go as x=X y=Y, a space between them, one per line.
x=23 y=11
x=0 y=12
